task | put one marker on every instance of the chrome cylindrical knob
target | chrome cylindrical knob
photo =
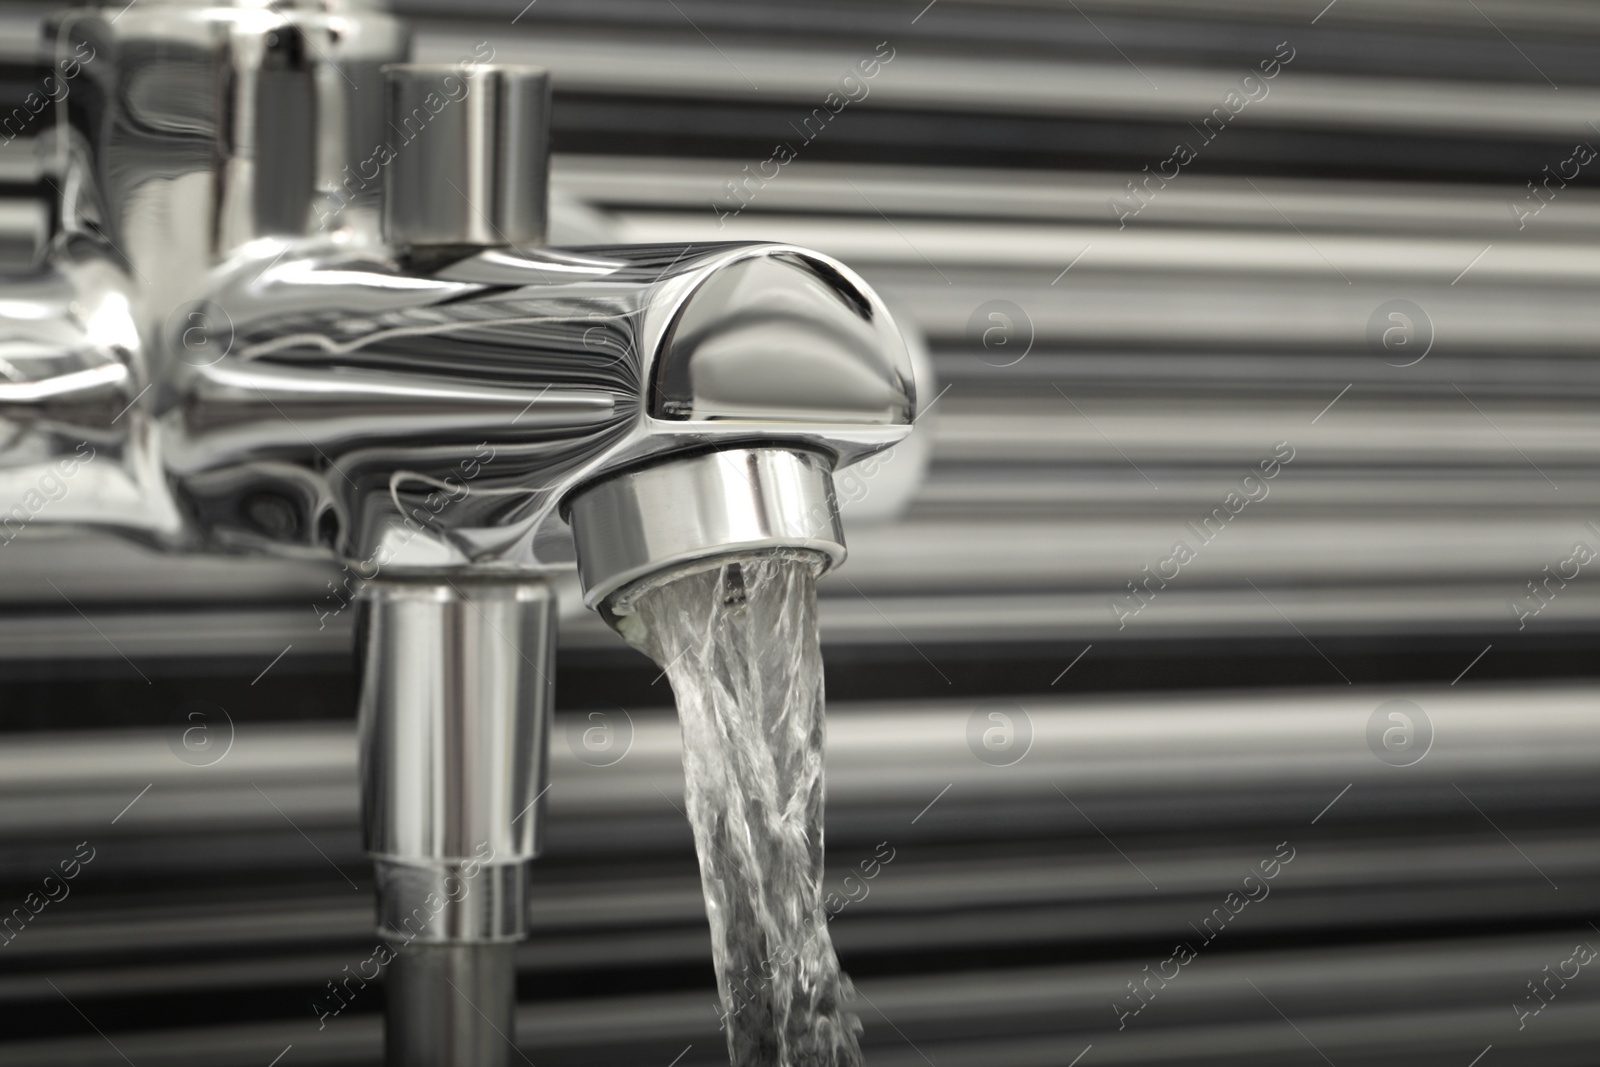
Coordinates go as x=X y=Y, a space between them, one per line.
x=471 y=156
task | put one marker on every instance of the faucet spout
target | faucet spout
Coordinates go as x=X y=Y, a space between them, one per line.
x=441 y=418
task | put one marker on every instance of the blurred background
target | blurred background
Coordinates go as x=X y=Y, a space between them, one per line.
x=1307 y=288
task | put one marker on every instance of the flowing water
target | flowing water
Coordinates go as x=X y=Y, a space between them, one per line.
x=739 y=643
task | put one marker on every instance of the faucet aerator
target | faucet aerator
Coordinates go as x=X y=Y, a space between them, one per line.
x=640 y=528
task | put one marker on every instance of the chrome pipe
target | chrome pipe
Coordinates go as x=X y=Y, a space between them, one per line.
x=451 y=1006
x=454 y=721
x=454 y=726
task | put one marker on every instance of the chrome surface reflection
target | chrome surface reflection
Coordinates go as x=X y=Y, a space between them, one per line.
x=198 y=128
x=437 y=419
x=76 y=445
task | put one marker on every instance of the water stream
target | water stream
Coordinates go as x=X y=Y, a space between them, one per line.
x=739 y=643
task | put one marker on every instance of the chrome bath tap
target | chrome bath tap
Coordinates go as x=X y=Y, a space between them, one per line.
x=296 y=301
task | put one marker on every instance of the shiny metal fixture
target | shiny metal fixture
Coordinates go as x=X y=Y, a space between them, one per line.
x=650 y=522
x=292 y=305
x=456 y=688
x=456 y=691
x=488 y=148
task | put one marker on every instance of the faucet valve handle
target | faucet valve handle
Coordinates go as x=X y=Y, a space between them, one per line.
x=469 y=166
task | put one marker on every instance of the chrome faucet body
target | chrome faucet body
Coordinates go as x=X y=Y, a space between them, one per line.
x=297 y=303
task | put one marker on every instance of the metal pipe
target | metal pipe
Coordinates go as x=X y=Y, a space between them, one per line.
x=454 y=722
x=448 y=1006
